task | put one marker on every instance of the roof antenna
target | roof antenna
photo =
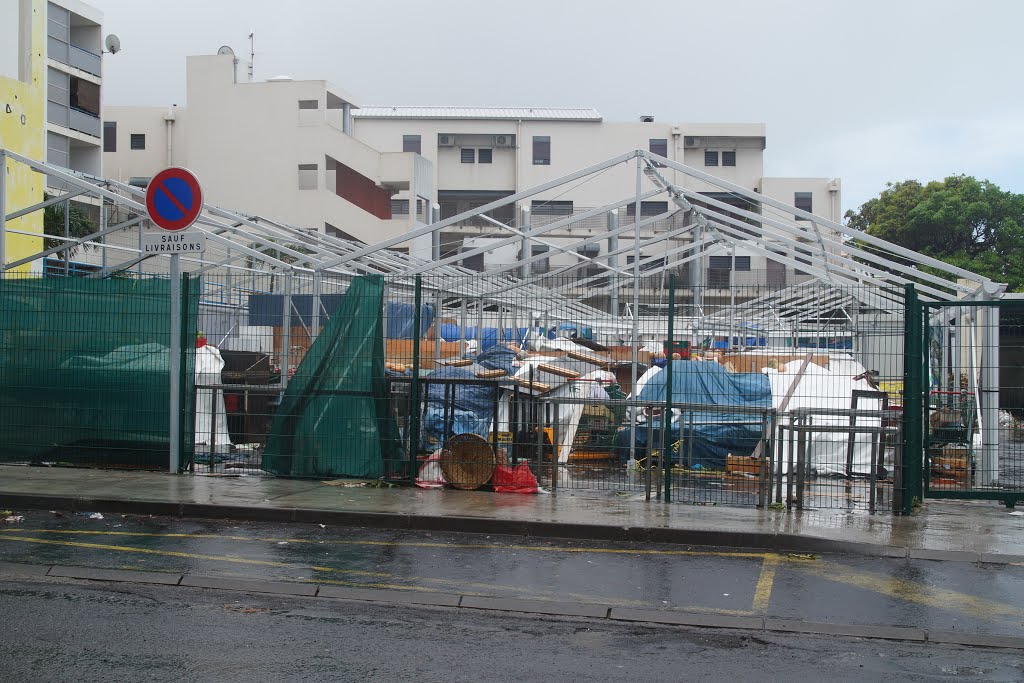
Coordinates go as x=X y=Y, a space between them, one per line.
x=252 y=52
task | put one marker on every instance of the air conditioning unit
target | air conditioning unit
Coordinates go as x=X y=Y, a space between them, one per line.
x=445 y=140
x=690 y=141
x=503 y=140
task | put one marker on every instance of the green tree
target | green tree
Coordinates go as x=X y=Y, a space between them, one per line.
x=963 y=221
x=79 y=225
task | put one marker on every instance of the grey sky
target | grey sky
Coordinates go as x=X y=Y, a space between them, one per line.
x=866 y=90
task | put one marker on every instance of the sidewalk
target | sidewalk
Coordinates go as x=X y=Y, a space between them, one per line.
x=942 y=530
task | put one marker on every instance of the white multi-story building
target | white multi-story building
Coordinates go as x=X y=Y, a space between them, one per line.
x=481 y=154
x=304 y=153
x=74 y=83
x=281 y=149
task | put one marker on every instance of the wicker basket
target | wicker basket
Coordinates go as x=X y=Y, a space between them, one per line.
x=467 y=461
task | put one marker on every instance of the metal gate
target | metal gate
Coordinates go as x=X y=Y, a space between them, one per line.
x=965 y=373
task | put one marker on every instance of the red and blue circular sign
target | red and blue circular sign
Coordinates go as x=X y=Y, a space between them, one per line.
x=174 y=199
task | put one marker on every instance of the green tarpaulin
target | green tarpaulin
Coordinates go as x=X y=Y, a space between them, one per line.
x=84 y=371
x=334 y=420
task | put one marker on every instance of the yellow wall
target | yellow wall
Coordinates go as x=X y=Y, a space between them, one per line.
x=23 y=130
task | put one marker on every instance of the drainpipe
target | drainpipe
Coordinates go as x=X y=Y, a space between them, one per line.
x=169 y=130
x=346 y=124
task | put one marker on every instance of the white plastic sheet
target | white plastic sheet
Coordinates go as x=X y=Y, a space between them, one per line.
x=208 y=368
x=828 y=388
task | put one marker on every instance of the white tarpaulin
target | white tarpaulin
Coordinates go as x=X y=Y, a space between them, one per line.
x=208 y=367
x=830 y=388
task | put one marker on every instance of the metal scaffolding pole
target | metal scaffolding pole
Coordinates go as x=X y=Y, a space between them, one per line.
x=524 y=226
x=314 y=326
x=67 y=235
x=3 y=211
x=613 y=260
x=636 y=298
x=990 y=395
x=286 y=329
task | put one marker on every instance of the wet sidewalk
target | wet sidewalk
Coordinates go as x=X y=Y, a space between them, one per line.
x=941 y=530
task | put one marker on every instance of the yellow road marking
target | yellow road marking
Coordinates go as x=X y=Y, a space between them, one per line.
x=919 y=593
x=532 y=592
x=765 y=582
x=416 y=544
x=285 y=565
x=176 y=553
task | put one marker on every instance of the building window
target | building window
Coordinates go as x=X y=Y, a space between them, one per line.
x=719 y=262
x=138 y=141
x=542 y=265
x=309 y=104
x=658 y=146
x=588 y=250
x=647 y=208
x=308 y=176
x=110 y=136
x=411 y=143
x=85 y=96
x=483 y=156
x=729 y=158
x=541 y=150
x=468 y=155
x=550 y=208
x=802 y=201
x=742 y=263
x=710 y=158
x=400 y=207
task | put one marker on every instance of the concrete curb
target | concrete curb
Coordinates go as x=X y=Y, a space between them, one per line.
x=653 y=617
x=779 y=542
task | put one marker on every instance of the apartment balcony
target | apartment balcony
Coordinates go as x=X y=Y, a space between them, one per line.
x=72 y=118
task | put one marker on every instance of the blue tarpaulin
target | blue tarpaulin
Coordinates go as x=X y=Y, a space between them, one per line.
x=716 y=433
x=491 y=335
x=402 y=320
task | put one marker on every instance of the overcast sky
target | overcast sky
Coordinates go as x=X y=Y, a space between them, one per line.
x=865 y=90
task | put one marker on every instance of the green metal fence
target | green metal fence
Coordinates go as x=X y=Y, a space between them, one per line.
x=84 y=371
x=969 y=387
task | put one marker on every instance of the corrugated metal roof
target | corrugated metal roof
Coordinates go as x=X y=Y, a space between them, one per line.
x=501 y=113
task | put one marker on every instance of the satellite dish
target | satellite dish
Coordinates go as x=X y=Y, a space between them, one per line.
x=225 y=50
x=112 y=44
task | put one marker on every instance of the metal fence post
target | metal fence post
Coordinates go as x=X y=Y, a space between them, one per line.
x=175 y=351
x=913 y=406
x=187 y=398
x=666 y=419
x=414 y=390
x=3 y=211
x=286 y=329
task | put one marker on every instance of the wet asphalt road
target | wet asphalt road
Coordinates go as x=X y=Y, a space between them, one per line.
x=983 y=598
x=58 y=631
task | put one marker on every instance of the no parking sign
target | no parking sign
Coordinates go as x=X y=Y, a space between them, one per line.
x=174 y=201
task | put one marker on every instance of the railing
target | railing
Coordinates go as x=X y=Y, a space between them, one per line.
x=72 y=118
x=84 y=59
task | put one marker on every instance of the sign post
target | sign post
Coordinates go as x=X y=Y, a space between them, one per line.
x=174 y=201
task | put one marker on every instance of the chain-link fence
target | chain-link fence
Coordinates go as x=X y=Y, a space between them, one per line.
x=85 y=370
x=775 y=396
x=974 y=404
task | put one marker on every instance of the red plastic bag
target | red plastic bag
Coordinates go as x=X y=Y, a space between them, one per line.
x=518 y=479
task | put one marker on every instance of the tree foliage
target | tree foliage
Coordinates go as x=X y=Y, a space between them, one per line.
x=79 y=225
x=963 y=221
